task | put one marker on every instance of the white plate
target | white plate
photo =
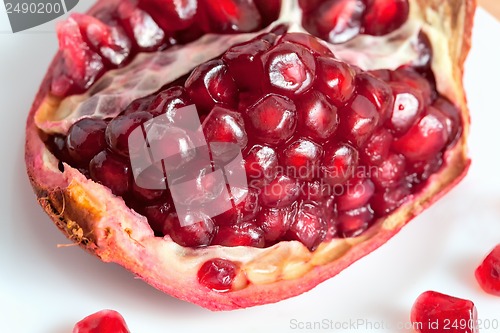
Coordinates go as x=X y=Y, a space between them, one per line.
x=47 y=289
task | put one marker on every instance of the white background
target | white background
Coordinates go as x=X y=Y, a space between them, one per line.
x=47 y=289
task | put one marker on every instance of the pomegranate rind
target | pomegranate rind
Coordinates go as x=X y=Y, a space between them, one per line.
x=88 y=214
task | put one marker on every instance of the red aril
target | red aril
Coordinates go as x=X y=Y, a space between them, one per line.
x=104 y=321
x=384 y=16
x=488 y=273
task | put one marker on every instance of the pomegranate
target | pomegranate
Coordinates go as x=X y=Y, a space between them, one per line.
x=340 y=144
x=104 y=321
x=438 y=313
x=488 y=273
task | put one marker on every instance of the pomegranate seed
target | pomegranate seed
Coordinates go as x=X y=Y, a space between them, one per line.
x=104 y=321
x=218 y=274
x=223 y=125
x=57 y=146
x=280 y=192
x=246 y=234
x=273 y=118
x=302 y=159
x=243 y=211
x=381 y=74
x=148 y=195
x=290 y=68
x=359 y=119
x=269 y=10
x=389 y=199
x=314 y=45
x=275 y=222
x=385 y=16
x=261 y=165
x=412 y=79
x=226 y=16
x=85 y=139
x=357 y=193
x=377 y=148
x=198 y=232
x=424 y=49
x=244 y=63
x=353 y=223
x=111 y=171
x=141 y=104
x=335 y=80
x=378 y=92
x=339 y=163
x=158 y=217
x=488 y=273
x=168 y=101
x=408 y=106
x=171 y=15
x=318 y=118
x=309 y=228
x=336 y=21
x=146 y=33
x=421 y=171
x=425 y=139
x=390 y=172
x=210 y=84
x=452 y=114
x=433 y=312
x=119 y=129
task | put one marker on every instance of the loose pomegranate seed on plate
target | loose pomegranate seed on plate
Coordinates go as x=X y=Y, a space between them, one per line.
x=488 y=273
x=104 y=321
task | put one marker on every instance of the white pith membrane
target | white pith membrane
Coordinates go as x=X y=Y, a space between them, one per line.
x=118 y=234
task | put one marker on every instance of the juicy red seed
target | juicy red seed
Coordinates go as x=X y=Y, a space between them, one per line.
x=273 y=118
x=210 y=84
x=452 y=114
x=385 y=16
x=302 y=159
x=280 y=192
x=194 y=231
x=290 y=68
x=390 y=172
x=269 y=9
x=421 y=171
x=358 y=120
x=318 y=118
x=357 y=193
x=412 y=79
x=218 y=274
x=261 y=165
x=432 y=311
x=309 y=228
x=244 y=63
x=488 y=273
x=378 y=92
x=168 y=101
x=148 y=195
x=353 y=223
x=311 y=43
x=224 y=125
x=111 y=171
x=425 y=139
x=335 y=79
x=171 y=15
x=119 y=129
x=85 y=139
x=377 y=148
x=408 y=106
x=389 y=199
x=339 y=163
x=381 y=74
x=104 y=321
x=243 y=210
x=336 y=21
x=245 y=234
x=141 y=104
x=147 y=35
x=424 y=49
x=158 y=217
x=226 y=16
x=275 y=222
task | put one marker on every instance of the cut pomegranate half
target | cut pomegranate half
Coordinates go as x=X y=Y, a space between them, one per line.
x=336 y=153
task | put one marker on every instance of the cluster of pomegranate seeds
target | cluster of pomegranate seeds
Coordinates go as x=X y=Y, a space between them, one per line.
x=488 y=273
x=117 y=31
x=338 y=21
x=328 y=149
x=104 y=321
x=434 y=312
